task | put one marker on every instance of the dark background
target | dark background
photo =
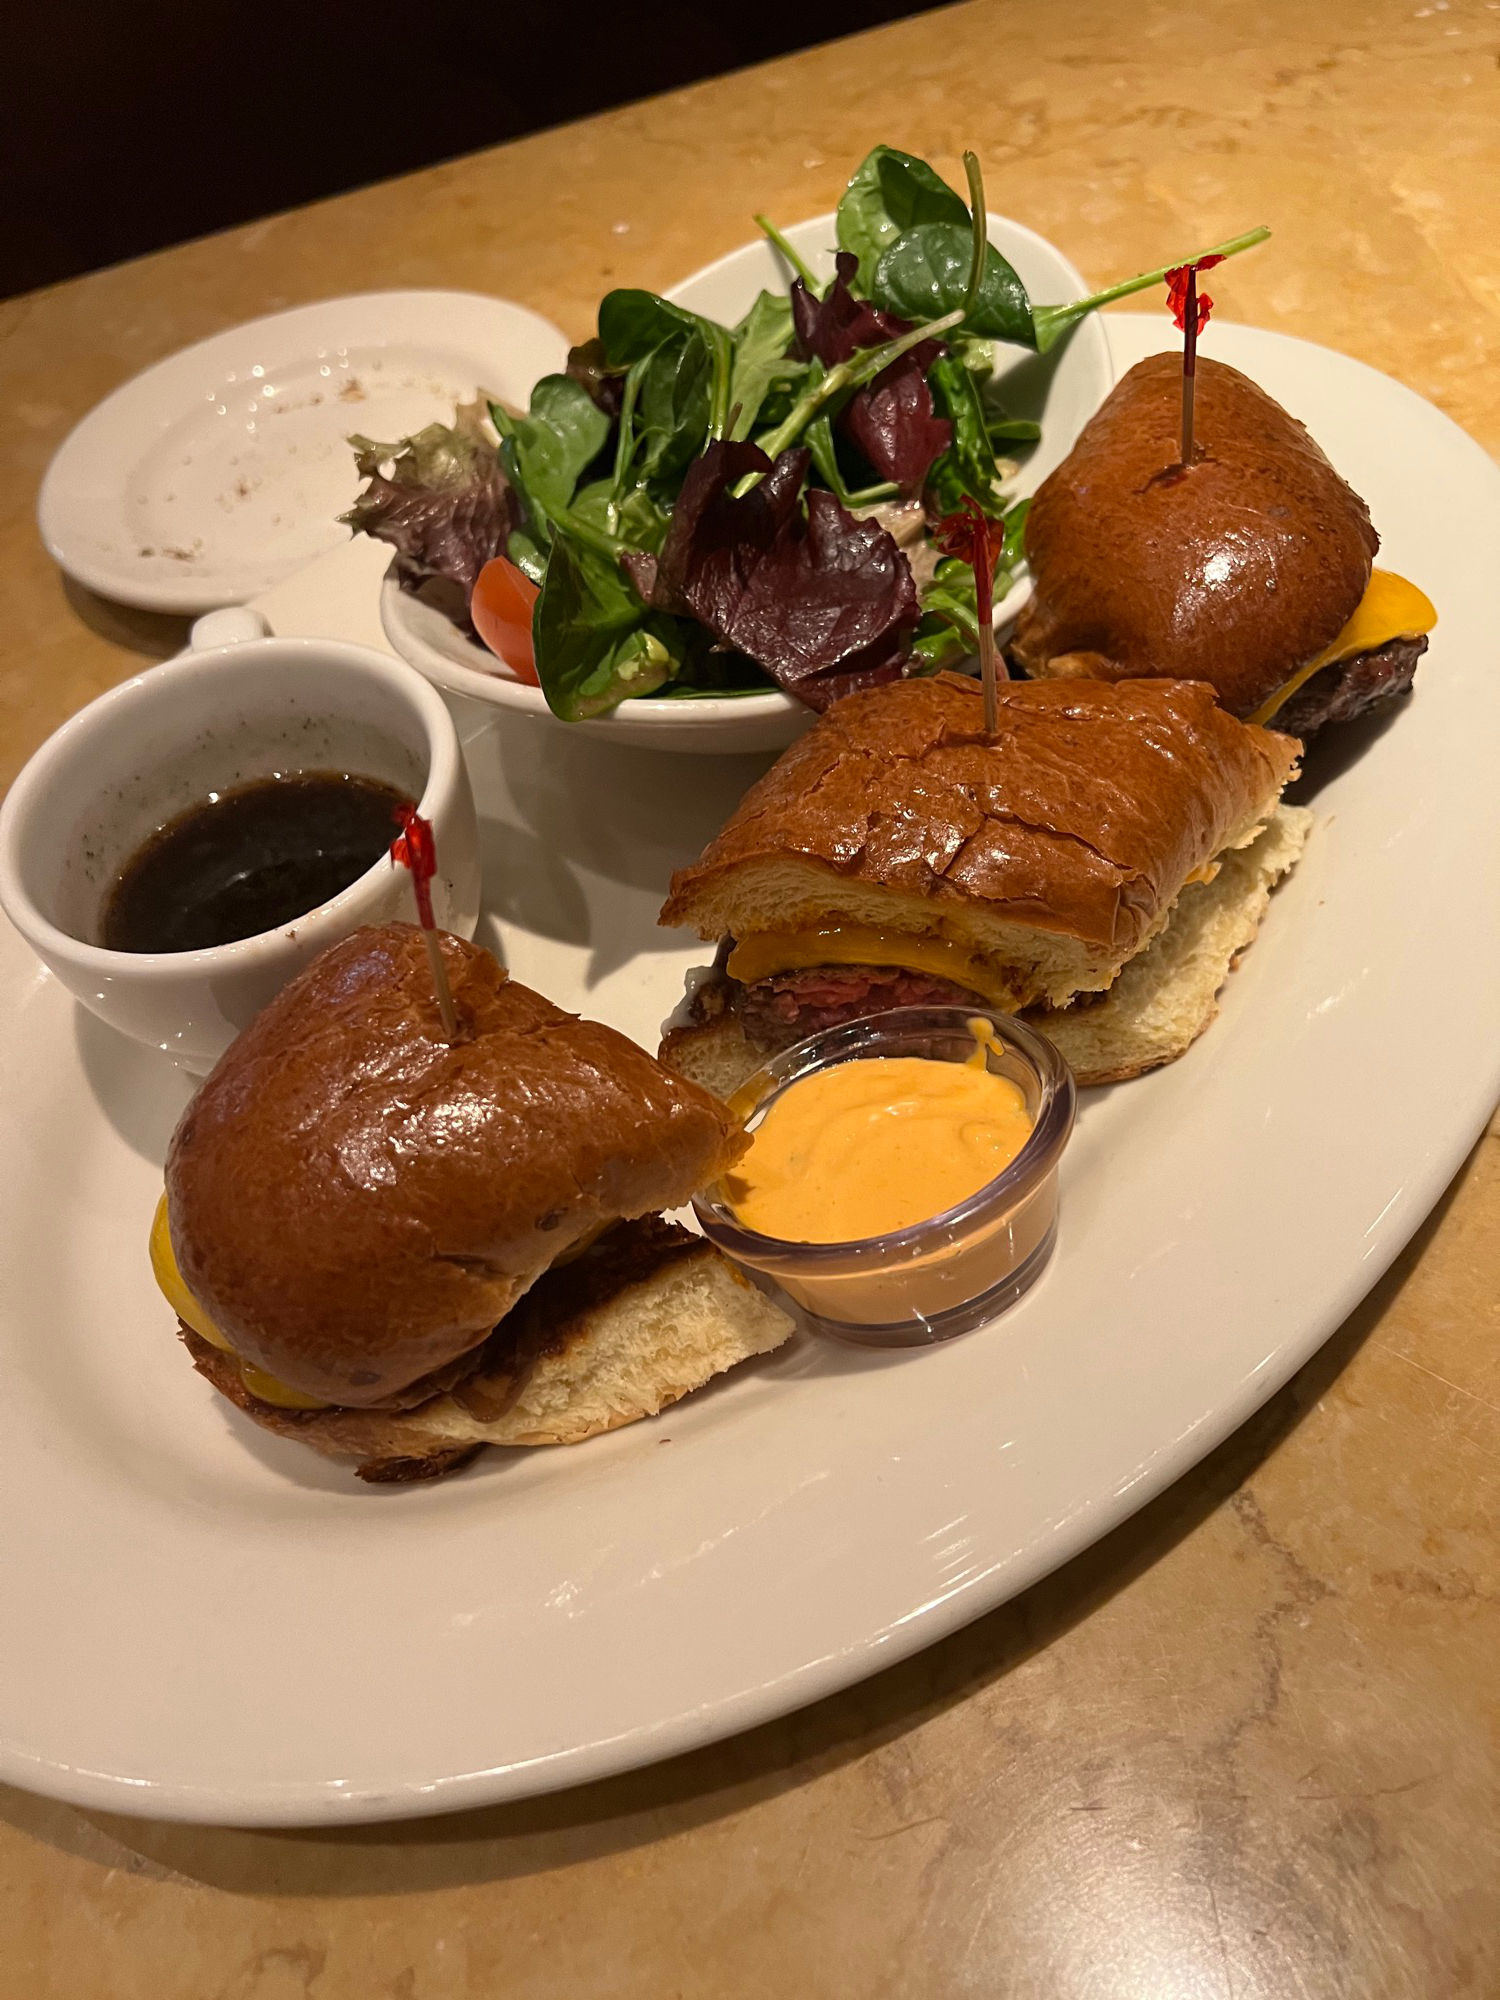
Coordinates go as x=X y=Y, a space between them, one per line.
x=129 y=127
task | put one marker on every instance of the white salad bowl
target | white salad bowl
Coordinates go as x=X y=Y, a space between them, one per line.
x=1060 y=391
x=459 y=665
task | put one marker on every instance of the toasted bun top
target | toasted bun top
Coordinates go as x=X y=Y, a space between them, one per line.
x=355 y=1203
x=1236 y=572
x=1083 y=814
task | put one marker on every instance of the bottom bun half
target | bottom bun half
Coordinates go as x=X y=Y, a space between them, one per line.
x=630 y=1327
x=1165 y=998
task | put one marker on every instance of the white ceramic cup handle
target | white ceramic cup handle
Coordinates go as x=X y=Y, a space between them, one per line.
x=228 y=627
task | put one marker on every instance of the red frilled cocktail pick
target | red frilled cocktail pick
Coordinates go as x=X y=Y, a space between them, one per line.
x=1190 y=311
x=973 y=536
x=415 y=849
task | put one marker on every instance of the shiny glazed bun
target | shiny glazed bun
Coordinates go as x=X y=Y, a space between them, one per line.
x=1067 y=835
x=1235 y=572
x=355 y=1203
x=898 y=855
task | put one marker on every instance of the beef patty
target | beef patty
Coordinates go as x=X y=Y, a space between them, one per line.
x=1351 y=687
x=790 y=1006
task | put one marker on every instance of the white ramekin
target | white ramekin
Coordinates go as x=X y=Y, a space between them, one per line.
x=219 y=715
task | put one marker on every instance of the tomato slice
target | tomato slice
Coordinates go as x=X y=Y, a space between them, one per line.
x=501 y=609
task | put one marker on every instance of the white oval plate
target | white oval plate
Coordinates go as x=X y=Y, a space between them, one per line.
x=223 y=468
x=202 y=1621
x=1061 y=391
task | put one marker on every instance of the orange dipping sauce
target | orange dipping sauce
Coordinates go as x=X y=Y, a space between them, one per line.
x=865 y=1148
x=901 y=1182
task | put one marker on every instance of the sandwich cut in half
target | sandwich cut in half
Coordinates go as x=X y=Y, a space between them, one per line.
x=1097 y=865
x=1252 y=569
x=397 y=1250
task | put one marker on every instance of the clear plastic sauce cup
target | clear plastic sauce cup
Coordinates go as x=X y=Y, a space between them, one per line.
x=955 y=1270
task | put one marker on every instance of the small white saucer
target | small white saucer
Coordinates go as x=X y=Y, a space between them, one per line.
x=224 y=468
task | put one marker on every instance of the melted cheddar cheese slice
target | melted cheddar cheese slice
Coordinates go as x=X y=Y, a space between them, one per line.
x=170 y=1283
x=768 y=952
x=1391 y=608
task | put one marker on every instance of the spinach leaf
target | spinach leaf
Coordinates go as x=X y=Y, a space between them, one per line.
x=937 y=645
x=949 y=629
x=890 y=193
x=621 y=506
x=925 y=273
x=760 y=360
x=633 y=517
x=976 y=353
x=642 y=523
x=545 y=452
x=684 y=390
x=819 y=440
x=978 y=357
x=674 y=411
x=949 y=595
x=1050 y=323
x=633 y=324
x=1010 y=430
x=595 y=645
x=526 y=556
x=968 y=465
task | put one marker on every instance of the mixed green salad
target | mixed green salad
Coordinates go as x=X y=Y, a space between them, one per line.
x=694 y=509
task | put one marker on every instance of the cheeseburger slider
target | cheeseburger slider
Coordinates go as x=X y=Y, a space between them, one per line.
x=1096 y=864
x=397 y=1250
x=1251 y=570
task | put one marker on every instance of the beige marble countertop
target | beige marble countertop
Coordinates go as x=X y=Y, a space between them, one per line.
x=1247 y=1745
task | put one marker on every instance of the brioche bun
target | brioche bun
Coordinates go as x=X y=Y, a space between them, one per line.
x=1165 y=998
x=1154 y=1012
x=1055 y=848
x=640 y=1320
x=1236 y=572
x=356 y=1204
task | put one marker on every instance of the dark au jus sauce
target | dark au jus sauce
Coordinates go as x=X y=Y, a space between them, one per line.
x=251 y=859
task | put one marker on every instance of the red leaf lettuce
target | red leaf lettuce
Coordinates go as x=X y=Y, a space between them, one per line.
x=893 y=421
x=823 y=602
x=444 y=506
